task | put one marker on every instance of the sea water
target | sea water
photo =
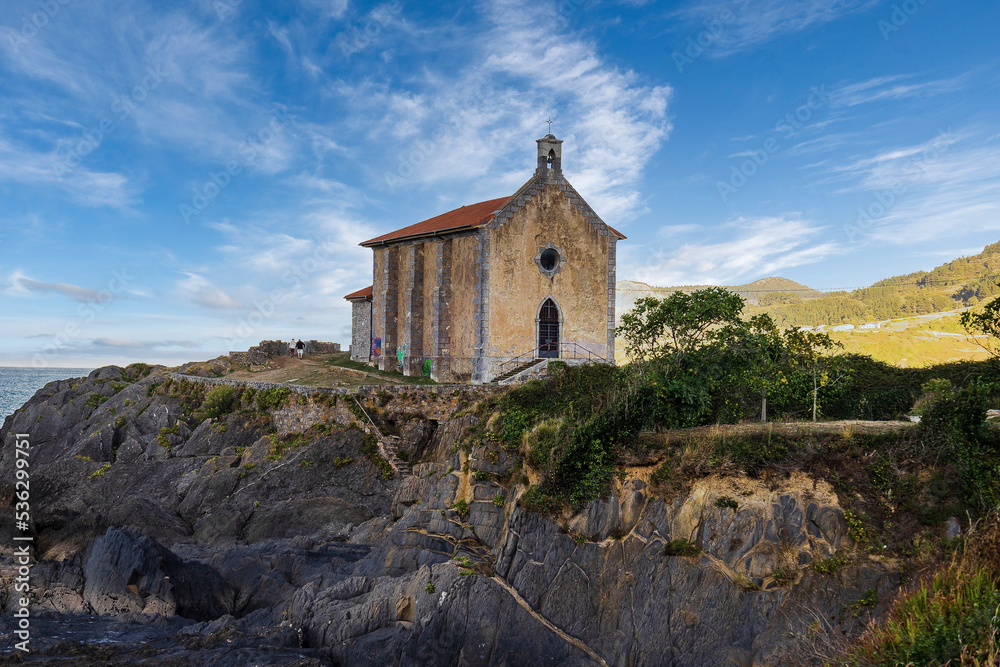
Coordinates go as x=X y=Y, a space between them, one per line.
x=17 y=385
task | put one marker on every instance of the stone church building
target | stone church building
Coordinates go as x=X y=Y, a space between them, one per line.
x=469 y=293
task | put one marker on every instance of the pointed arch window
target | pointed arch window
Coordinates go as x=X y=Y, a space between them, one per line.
x=548 y=330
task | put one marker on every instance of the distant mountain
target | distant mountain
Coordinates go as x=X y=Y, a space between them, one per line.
x=957 y=284
x=767 y=289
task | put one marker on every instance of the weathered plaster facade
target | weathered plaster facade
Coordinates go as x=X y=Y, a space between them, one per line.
x=465 y=290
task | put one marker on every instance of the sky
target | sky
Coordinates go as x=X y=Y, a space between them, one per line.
x=178 y=180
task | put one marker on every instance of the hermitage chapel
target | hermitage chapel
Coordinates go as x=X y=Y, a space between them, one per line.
x=465 y=295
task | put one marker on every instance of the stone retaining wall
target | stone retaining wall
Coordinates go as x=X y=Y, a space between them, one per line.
x=258 y=355
x=434 y=402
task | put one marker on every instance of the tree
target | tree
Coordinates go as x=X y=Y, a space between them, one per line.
x=677 y=346
x=669 y=330
x=764 y=351
x=810 y=353
x=983 y=326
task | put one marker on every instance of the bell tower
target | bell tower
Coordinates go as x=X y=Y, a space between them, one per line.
x=549 y=155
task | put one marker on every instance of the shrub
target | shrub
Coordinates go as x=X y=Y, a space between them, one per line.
x=830 y=565
x=726 y=501
x=270 y=399
x=537 y=501
x=430 y=587
x=462 y=508
x=341 y=461
x=681 y=547
x=542 y=441
x=282 y=445
x=856 y=528
x=481 y=475
x=499 y=500
x=661 y=474
x=220 y=401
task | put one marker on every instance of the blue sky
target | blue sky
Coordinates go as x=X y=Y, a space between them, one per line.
x=182 y=179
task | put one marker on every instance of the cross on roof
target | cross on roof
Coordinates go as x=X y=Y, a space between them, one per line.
x=549 y=121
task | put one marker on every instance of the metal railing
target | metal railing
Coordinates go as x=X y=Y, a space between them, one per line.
x=566 y=351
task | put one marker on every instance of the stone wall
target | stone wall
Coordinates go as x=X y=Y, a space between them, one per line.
x=549 y=214
x=434 y=402
x=361 y=330
x=258 y=355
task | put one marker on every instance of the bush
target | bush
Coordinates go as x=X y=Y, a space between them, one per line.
x=681 y=547
x=220 y=401
x=726 y=502
x=271 y=399
x=462 y=508
x=537 y=501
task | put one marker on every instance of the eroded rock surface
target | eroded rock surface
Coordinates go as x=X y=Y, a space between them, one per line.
x=202 y=538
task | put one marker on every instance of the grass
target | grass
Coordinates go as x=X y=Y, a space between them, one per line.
x=681 y=547
x=953 y=618
x=369 y=447
x=281 y=445
x=100 y=471
x=830 y=565
x=343 y=360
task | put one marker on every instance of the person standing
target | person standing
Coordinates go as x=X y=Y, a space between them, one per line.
x=300 y=348
x=291 y=347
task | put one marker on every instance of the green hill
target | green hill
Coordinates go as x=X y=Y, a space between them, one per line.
x=960 y=283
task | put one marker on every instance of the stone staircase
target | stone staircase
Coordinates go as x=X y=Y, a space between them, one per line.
x=388 y=446
x=514 y=371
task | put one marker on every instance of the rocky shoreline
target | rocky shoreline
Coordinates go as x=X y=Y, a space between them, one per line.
x=274 y=534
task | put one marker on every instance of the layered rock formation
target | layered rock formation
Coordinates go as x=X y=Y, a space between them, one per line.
x=236 y=540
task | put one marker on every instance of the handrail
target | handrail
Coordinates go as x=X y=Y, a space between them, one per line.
x=506 y=366
x=531 y=355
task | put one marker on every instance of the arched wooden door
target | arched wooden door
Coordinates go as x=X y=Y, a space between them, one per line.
x=548 y=330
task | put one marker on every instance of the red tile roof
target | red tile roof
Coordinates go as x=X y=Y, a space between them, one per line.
x=466 y=217
x=365 y=293
x=469 y=216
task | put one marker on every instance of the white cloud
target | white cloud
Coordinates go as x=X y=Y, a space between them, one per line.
x=74 y=292
x=740 y=25
x=935 y=191
x=753 y=248
x=890 y=88
x=199 y=290
x=480 y=123
x=22 y=164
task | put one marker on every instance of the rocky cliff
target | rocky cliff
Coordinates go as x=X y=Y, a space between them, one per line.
x=277 y=533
